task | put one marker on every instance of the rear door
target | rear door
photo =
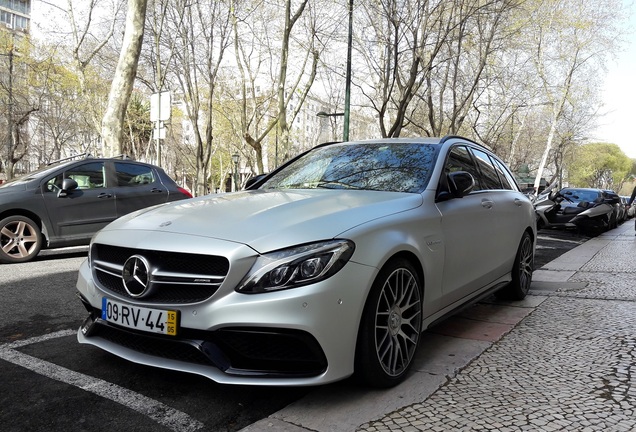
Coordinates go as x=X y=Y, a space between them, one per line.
x=84 y=210
x=509 y=212
x=137 y=186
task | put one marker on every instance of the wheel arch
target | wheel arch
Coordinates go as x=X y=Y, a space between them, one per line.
x=414 y=260
x=533 y=234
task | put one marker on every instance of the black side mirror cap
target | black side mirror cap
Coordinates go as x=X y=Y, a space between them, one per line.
x=68 y=184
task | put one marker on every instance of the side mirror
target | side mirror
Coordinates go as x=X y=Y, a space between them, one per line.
x=460 y=183
x=253 y=180
x=68 y=184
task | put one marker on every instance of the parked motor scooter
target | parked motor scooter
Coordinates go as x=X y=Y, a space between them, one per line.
x=591 y=211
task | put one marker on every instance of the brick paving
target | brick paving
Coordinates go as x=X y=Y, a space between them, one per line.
x=567 y=366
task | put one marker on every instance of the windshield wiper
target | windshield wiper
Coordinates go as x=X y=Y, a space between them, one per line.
x=336 y=185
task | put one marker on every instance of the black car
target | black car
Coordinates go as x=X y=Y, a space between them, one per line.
x=65 y=203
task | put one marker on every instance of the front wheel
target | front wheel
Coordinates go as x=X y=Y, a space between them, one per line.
x=391 y=324
x=522 y=270
x=20 y=239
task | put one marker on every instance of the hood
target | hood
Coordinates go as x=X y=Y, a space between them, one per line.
x=269 y=219
x=14 y=186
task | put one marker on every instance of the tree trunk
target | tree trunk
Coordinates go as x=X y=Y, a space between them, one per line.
x=122 y=85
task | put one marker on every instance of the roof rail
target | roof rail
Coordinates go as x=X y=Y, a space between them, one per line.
x=77 y=156
x=122 y=157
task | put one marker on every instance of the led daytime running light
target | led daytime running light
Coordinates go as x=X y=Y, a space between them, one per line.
x=298 y=266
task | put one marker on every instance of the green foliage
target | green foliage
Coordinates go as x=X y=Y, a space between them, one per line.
x=137 y=126
x=599 y=165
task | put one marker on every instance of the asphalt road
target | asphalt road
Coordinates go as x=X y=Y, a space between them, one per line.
x=552 y=243
x=50 y=382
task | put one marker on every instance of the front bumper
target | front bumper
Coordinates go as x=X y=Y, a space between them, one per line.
x=301 y=336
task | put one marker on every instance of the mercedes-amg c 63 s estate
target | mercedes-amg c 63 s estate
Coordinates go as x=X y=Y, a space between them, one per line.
x=328 y=267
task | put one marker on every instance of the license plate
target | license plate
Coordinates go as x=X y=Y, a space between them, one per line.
x=140 y=318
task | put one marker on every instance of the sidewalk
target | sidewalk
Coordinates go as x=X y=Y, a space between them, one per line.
x=563 y=359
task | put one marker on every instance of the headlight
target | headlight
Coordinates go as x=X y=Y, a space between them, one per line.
x=297 y=266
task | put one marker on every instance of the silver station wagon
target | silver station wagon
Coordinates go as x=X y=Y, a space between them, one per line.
x=329 y=267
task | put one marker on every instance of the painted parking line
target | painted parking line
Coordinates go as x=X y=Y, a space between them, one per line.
x=173 y=419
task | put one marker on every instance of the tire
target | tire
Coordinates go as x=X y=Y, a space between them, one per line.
x=390 y=328
x=522 y=270
x=20 y=239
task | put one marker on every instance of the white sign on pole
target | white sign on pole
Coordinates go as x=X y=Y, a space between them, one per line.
x=160 y=106
x=160 y=132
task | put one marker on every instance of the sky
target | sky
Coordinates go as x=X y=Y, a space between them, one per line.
x=618 y=125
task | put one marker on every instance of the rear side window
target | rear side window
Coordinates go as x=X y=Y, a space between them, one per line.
x=132 y=175
x=507 y=180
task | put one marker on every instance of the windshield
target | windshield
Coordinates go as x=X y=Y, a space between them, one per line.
x=396 y=167
x=578 y=195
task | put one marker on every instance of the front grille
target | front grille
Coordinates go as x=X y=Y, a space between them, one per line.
x=178 y=277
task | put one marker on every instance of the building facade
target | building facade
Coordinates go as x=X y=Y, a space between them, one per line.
x=15 y=14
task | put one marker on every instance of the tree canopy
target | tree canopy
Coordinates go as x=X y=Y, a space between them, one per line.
x=248 y=78
x=600 y=165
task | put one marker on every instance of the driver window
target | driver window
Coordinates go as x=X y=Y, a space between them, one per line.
x=88 y=176
x=460 y=159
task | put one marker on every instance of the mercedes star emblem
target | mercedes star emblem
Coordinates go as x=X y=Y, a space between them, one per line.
x=136 y=276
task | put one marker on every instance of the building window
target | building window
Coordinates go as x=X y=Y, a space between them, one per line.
x=21 y=22
x=5 y=17
x=21 y=6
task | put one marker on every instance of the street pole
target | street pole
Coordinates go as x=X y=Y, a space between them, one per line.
x=276 y=164
x=235 y=159
x=10 y=127
x=345 y=130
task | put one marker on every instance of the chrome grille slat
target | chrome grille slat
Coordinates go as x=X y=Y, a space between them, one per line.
x=161 y=274
x=215 y=284
x=179 y=278
x=107 y=267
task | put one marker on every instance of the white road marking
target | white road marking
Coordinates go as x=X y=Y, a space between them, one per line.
x=559 y=240
x=173 y=419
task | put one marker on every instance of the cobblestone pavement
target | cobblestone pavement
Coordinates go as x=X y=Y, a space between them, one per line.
x=569 y=366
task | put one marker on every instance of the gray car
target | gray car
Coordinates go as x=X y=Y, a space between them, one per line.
x=331 y=266
x=66 y=202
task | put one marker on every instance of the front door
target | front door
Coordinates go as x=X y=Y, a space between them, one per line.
x=83 y=211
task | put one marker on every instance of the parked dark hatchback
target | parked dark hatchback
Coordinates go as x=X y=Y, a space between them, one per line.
x=65 y=203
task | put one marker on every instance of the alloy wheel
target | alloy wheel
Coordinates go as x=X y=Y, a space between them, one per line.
x=19 y=240
x=398 y=321
x=526 y=263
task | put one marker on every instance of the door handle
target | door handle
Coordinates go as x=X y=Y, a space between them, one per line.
x=155 y=190
x=487 y=203
x=104 y=195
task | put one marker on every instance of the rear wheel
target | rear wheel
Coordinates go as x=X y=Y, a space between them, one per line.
x=522 y=270
x=20 y=239
x=391 y=324
x=613 y=222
